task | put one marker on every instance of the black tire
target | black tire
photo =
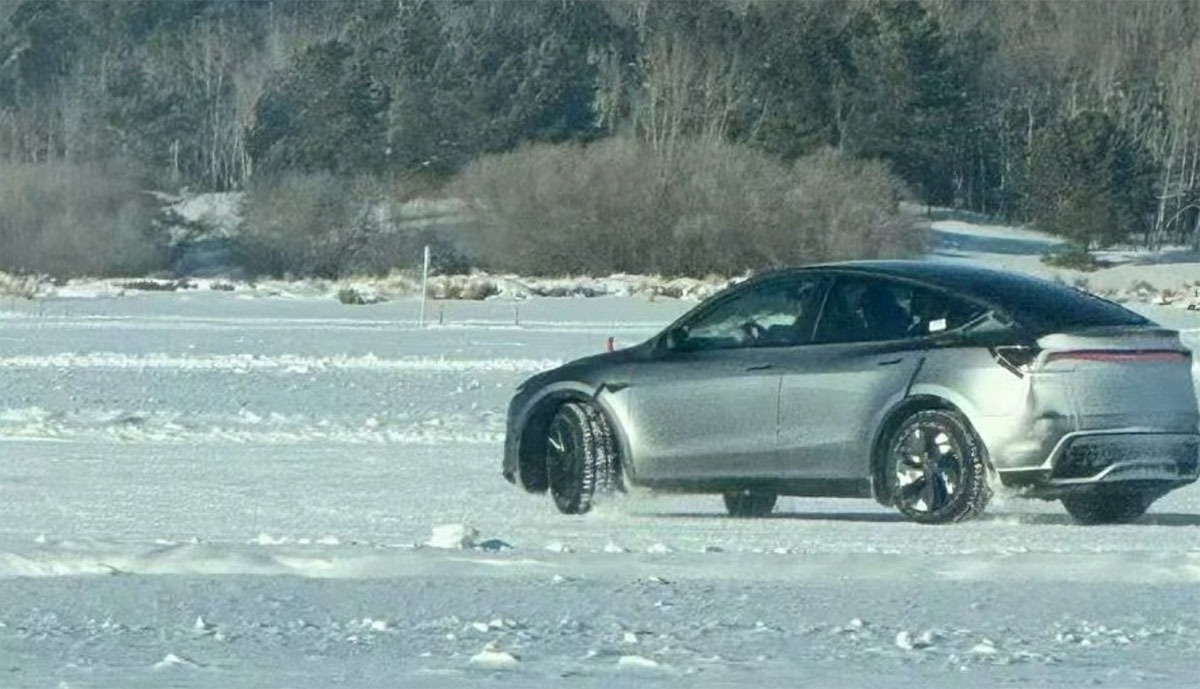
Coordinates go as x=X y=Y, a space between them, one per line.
x=581 y=460
x=1108 y=507
x=936 y=468
x=749 y=503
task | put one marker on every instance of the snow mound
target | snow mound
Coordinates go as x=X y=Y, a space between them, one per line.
x=172 y=661
x=453 y=537
x=637 y=663
x=491 y=658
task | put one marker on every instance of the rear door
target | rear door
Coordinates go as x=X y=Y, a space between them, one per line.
x=869 y=343
x=707 y=406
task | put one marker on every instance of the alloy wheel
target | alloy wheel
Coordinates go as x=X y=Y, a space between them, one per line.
x=929 y=468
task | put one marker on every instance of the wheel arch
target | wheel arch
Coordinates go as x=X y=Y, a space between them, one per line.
x=891 y=421
x=532 y=437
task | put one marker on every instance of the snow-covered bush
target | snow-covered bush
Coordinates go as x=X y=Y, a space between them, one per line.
x=77 y=219
x=694 y=208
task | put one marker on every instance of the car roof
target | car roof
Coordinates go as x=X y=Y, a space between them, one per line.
x=1040 y=304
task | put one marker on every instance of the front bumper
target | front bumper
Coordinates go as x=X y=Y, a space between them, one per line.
x=511 y=465
x=1083 y=460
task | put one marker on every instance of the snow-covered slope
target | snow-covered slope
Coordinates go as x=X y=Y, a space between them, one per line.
x=1170 y=276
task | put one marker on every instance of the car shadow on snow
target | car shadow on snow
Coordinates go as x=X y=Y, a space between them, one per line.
x=877 y=517
x=1054 y=519
x=1041 y=519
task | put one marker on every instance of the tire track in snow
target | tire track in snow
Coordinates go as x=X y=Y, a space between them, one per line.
x=282 y=363
x=116 y=425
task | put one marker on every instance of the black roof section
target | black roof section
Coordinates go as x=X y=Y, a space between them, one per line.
x=1039 y=304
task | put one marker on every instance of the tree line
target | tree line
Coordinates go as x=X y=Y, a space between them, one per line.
x=1082 y=117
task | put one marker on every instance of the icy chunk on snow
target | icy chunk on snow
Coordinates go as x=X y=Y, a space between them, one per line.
x=905 y=640
x=558 y=547
x=659 y=549
x=172 y=660
x=985 y=647
x=491 y=658
x=925 y=639
x=203 y=628
x=375 y=625
x=453 y=536
x=611 y=547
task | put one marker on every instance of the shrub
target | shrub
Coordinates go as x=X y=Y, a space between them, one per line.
x=354 y=297
x=19 y=286
x=328 y=226
x=1073 y=257
x=472 y=287
x=706 y=207
x=298 y=223
x=149 y=285
x=70 y=219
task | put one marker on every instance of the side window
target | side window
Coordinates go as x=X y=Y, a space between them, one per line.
x=870 y=310
x=934 y=312
x=780 y=313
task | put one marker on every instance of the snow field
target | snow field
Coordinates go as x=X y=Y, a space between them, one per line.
x=202 y=490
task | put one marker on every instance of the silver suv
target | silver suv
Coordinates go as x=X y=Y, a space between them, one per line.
x=918 y=384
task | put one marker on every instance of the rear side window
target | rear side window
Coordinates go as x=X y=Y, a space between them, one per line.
x=1047 y=306
x=875 y=310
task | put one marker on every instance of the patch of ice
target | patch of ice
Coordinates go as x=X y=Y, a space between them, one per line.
x=493 y=545
x=638 y=663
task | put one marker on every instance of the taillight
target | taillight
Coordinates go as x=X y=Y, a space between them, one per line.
x=1018 y=359
x=1122 y=356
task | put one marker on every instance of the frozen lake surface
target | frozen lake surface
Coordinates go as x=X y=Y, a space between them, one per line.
x=206 y=490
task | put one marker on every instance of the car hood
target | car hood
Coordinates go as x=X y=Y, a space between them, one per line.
x=586 y=368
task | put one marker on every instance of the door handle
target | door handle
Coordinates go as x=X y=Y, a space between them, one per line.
x=758 y=367
x=889 y=362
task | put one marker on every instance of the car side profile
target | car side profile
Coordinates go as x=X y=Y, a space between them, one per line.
x=918 y=384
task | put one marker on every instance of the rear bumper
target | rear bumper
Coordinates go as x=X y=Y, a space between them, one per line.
x=1083 y=460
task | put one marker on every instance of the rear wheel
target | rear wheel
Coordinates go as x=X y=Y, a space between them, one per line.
x=749 y=503
x=1107 y=507
x=937 y=468
x=581 y=460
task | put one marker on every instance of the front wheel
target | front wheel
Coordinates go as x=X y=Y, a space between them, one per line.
x=1106 y=507
x=749 y=503
x=581 y=459
x=937 y=468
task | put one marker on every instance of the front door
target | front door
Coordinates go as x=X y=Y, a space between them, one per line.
x=707 y=406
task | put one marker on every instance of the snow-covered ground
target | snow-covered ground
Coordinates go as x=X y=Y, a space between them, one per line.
x=209 y=488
